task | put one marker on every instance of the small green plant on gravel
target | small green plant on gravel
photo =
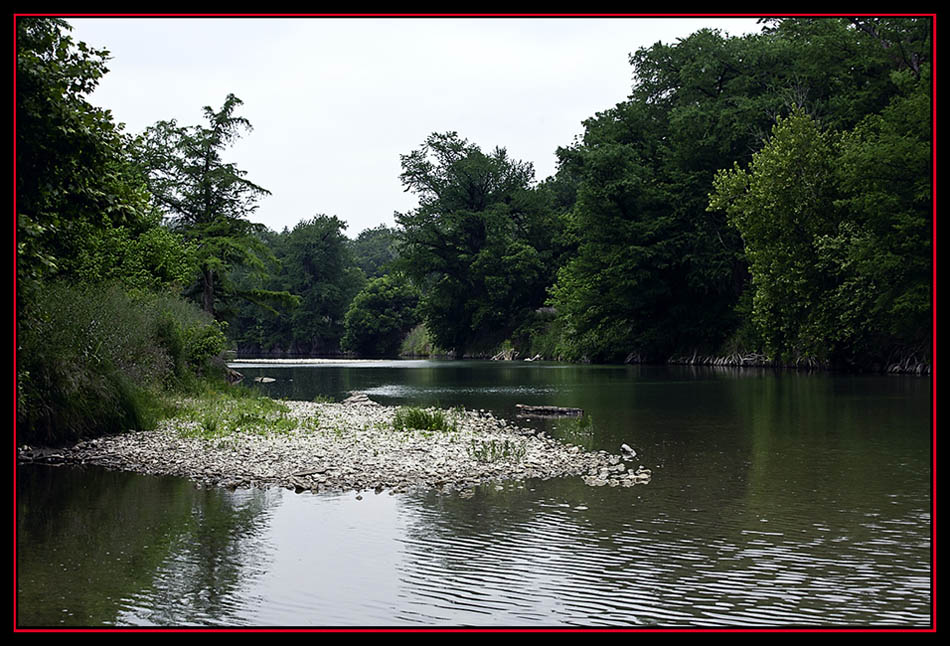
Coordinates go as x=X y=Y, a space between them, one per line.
x=423 y=419
x=336 y=430
x=496 y=450
x=209 y=425
x=311 y=422
x=234 y=411
x=322 y=399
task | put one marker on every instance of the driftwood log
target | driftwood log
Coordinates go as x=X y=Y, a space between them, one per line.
x=547 y=411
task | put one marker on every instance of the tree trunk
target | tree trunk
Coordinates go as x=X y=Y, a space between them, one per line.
x=207 y=291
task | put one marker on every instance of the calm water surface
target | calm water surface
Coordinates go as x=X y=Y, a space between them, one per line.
x=778 y=499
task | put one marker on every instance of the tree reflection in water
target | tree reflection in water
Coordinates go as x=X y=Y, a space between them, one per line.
x=151 y=550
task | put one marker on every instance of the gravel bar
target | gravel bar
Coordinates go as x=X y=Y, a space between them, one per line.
x=350 y=446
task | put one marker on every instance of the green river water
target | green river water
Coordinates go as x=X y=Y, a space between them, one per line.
x=778 y=499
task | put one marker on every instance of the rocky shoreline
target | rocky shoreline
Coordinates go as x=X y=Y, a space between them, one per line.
x=349 y=446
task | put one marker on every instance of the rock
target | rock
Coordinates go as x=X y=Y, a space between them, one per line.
x=359 y=398
x=627 y=452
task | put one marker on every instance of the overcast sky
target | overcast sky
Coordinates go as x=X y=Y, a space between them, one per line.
x=334 y=102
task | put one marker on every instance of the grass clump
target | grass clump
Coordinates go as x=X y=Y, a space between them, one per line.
x=496 y=450
x=422 y=419
x=218 y=413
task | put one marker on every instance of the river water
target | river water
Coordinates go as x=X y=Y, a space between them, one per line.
x=778 y=499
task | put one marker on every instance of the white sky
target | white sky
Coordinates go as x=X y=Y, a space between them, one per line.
x=335 y=101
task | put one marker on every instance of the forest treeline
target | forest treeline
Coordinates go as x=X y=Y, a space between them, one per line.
x=767 y=194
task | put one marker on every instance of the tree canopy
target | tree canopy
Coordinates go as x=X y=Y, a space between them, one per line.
x=83 y=206
x=100 y=329
x=316 y=266
x=657 y=273
x=479 y=222
x=836 y=229
x=205 y=197
x=380 y=315
x=767 y=192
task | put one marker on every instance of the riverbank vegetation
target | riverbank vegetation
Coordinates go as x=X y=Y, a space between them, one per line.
x=766 y=195
x=101 y=327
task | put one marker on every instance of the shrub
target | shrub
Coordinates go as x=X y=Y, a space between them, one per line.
x=380 y=315
x=418 y=343
x=91 y=359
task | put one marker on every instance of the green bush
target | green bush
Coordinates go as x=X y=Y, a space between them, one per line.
x=380 y=315
x=418 y=343
x=92 y=359
x=540 y=334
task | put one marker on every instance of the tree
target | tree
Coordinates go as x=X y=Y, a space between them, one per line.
x=836 y=228
x=783 y=206
x=83 y=208
x=375 y=250
x=478 y=224
x=94 y=339
x=884 y=175
x=204 y=197
x=380 y=316
x=317 y=267
x=655 y=273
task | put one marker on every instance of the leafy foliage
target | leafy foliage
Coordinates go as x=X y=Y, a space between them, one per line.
x=770 y=191
x=374 y=250
x=418 y=343
x=652 y=272
x=478 y=223
x=380 y=315
x=836 y=228
x=83 y=208
x=784 y=209
x=98 y=332
x=655 y=273
x=206 y=198
x=317 y=267
x=90 y=359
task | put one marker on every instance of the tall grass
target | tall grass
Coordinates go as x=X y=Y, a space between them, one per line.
x=496 y=450
x=93 y=359
x=423 y=420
